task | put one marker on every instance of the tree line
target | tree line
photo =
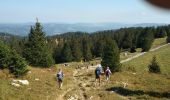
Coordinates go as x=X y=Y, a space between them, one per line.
x=40 y=50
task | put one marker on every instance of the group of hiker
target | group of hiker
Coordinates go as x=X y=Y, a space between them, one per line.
x=98 y=72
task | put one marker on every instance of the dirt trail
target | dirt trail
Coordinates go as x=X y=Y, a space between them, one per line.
x=83 y=81
x=140 y=54
x=61 y=97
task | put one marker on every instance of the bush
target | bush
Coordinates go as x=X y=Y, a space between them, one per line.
x=18 y=65
x=154 y=66
x=9 y=59
x=4 y=55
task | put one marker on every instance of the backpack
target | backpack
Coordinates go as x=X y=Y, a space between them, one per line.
x=98 y=72
x=107 y=72
x=59 y=75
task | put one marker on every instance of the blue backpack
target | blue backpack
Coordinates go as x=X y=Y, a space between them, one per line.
x=98 y=71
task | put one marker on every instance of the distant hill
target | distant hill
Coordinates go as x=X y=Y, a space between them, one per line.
x=58 y=28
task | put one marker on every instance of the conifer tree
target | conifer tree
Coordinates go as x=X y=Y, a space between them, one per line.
x=127 y=41
x=110 y=56
x=66 y=54
x=11 y=60
x=154 y=66
x=76 y=50
x=87 y=54
x=4 y=56
x=146 y=39
x=36 y=50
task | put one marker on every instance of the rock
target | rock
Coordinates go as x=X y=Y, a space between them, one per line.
x=29 y=72
x=112 y=91
x=37 y=79
x=15 y=81
x=91 y=97
x=23 y=82
x=134 y=73
x=125 y=54
x=15 y=84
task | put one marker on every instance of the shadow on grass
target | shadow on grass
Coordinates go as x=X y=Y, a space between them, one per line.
x=127 y=92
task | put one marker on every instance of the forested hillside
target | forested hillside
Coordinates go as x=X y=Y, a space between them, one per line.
x=77 y=46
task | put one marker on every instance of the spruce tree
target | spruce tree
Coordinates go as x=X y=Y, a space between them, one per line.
x=110 y=56
x=154 y=66
x=76 y=50
x=146 y=39
x=36 y=50
x=127 y=41
x=66 y=54
x=4 y=56
x=98 y=47
x=87 y=53
x=9 y=59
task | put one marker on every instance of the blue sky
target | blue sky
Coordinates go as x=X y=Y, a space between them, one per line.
x=81 y=11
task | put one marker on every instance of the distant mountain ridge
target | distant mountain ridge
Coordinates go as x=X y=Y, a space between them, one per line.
x=58 y=28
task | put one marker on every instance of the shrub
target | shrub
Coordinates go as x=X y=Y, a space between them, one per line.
x=154 y=66
x=9 y=59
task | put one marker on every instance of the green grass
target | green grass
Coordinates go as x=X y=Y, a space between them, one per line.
x=141 y=84
x=141 y=63
x=158 y=42
x=44 y=89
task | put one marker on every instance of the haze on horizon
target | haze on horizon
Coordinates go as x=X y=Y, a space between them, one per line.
x=81 y=11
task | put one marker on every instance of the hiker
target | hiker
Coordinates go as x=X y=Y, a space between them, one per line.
x=60 y=76
x=98 y=72
x=108 y=73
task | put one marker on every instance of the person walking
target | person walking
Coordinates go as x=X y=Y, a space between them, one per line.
x=108 y=73
x=60 y=76
x=98 y=72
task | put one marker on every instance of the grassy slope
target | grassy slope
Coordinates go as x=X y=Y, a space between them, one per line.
x=141 y=85
x=141 y=63
x=156 y=43
x=43 y=89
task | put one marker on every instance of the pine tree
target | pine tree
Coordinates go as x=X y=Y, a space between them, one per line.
x=127 y=41
x=4 y=56
x=87 y=54
x=111 y=56
x=36 y=50
x=18 y=65
x=154 y=66
x=11 y=60
x=160 y=32
x=66 y=54
x=76 y=50
x=98 y=47
x=146 y=39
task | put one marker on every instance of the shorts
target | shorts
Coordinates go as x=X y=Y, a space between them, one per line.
x=60 y=80
x=97 y=76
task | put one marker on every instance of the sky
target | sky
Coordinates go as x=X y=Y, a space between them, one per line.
x=81 y=11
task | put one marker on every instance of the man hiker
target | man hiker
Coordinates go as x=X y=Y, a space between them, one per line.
x=98 y=72
x=60 y=76
x=108 y=73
